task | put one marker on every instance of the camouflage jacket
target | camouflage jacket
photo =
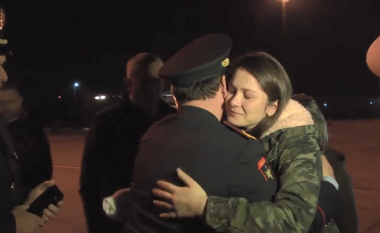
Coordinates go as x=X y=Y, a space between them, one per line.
x=293 y=152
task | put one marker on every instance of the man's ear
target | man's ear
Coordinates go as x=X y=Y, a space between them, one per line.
x=223 y=86
x=3 y=58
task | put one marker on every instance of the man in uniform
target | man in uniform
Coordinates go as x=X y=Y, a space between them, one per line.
x=113 y=141
x=219 y=157
x=13 y=215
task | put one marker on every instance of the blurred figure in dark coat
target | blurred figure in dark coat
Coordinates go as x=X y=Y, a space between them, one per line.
x=29 y=139
x=113 y=141
x=348 y=221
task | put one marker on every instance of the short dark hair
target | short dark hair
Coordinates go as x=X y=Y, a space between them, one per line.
x=203 y=90
x=317 y=115
x=273 y=80
x=140 y=70
x=142 y=62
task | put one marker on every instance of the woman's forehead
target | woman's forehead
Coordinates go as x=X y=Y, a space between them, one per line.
x=243 y=79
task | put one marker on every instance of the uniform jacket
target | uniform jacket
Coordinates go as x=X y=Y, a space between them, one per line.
x=8 y=181
x=348 y=221
x=294 y=154
x=33 y=150
x=221 y=160
x=108 y=157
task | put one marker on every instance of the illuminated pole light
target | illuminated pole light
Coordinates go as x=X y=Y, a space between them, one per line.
x=284 y=18
x=325 y=104
x=75 y=85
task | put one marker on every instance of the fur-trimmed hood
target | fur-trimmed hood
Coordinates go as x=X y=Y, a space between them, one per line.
x=293 y=115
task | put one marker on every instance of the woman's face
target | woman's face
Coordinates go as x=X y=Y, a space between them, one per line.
x=246 y=103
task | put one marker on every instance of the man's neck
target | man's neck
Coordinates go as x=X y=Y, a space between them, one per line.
x=210 y=105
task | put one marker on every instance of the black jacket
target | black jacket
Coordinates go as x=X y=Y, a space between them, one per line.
x=109 y=156
x=33 y=150
x=347 y=222
x=9 y=189
x=225 y=164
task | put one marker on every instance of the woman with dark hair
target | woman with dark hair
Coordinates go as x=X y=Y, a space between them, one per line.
x=259 y=101
x=347 y=222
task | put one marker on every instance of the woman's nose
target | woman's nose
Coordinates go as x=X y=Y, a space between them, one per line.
x=235 y=101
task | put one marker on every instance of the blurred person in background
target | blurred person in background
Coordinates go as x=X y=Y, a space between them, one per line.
x=113 y=141
x=13 y=215
x=29 y=140
x=347 y=221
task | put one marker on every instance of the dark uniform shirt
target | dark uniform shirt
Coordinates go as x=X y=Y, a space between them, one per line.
x=225 y=163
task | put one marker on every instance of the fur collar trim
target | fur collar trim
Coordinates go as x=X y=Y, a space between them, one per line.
x=293 y=115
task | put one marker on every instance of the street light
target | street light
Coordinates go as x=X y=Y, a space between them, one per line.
x=75 y=85
x=284 y=26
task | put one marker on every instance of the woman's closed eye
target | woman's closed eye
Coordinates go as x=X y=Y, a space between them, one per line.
x=249 y=95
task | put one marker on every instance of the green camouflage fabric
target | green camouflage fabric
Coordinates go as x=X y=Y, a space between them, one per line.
x=331 y=228
x=295 y=158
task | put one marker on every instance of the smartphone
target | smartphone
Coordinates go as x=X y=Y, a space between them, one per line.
x=51 y=195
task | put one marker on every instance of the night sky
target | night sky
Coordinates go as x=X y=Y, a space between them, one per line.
x=60 y=42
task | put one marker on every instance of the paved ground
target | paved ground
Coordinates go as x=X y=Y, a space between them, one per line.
x=359 y=140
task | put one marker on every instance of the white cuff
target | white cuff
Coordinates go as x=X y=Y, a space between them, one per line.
x=332 y=181
x=109 y=206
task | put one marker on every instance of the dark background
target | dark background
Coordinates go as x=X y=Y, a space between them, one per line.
x=57 y=43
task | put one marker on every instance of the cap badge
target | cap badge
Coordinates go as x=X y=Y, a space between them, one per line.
x=226 y=62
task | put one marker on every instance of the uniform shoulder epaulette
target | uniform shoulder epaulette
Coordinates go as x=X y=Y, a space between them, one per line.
x=241 y=132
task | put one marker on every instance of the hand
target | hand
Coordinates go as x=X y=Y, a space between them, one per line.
x=187 y=201
x=52 y=210
x=25 y=221
x=326 y=168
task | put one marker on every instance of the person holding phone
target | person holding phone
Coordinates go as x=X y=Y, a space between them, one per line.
x=14 y=216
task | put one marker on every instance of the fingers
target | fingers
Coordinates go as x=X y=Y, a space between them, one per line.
x=163 y=194
x=171 y=188
x=168 y=215
x=45 y=185
x=40 y=221
x=46 y=219
x=163 y=204
x=186 y=178
x=60 y=204
x=52 y=208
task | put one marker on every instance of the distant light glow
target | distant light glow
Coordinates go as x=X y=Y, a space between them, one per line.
x=325 y=104
x=76 y=84
x=371 y=102
x=97 y=97
x=59 y=97
x=102 y=97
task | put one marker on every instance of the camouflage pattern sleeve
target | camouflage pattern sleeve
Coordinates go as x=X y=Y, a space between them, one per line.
x=299 y=170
